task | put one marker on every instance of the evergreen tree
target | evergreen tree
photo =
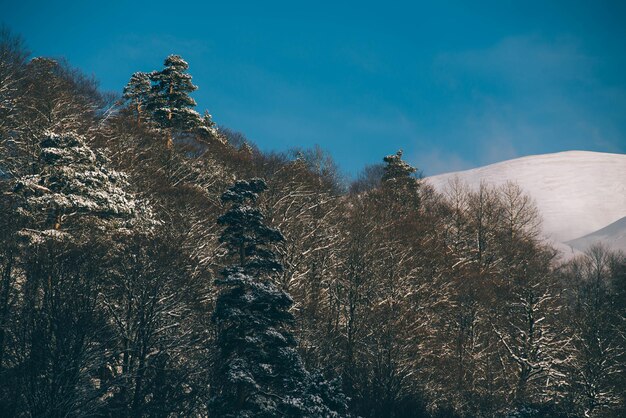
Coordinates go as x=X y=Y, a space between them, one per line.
x=396 y=169
x=399 y=185
x=67 y=213
x=73 y=182
x=260 y=373
x=137 y=93
x=207 y=125
x=170 y=103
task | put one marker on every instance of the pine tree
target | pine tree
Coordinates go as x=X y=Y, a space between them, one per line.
x=137 y=93
x=398 y=183
x=260 y=373
x=170 y=103
x=68 y=213
x=73 y=182
x=207 y=125
x=396 y=169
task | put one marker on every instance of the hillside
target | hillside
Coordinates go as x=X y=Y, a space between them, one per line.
x=577 y=192
x=613 y=236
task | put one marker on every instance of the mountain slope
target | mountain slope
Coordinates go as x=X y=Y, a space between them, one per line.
x=613 y=236
x=577 y=192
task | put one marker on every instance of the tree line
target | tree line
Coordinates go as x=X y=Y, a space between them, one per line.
x=153 y=264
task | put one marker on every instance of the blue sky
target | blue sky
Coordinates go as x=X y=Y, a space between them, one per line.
x=455 y=84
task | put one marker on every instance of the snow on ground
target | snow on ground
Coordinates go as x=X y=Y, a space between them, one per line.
x=576 y=192
x=613 y=235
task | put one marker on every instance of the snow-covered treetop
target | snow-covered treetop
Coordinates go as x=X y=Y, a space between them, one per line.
x=176 y=61
x=162 y=99
x=74 y=181
x=246 y=235
x=138 y=87
x=209 y=127
x=243 y=190
x=169 y=100
x=396 y=168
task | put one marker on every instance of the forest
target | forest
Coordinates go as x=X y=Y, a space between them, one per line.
x=156 y=264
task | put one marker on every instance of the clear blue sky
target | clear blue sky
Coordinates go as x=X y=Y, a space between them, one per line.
x=456 y=84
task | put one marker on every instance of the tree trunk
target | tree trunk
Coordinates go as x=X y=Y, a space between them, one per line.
x=170 y=142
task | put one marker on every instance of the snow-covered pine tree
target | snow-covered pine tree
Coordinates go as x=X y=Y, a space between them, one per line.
x=208 y=127
x=399 y=184
x=73 y=182
x=67 y=213
x=137 y=93
x=170 y=102
x=397 y=169
x=259 y=372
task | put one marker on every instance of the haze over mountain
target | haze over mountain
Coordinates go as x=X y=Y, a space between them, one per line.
x=578 y=193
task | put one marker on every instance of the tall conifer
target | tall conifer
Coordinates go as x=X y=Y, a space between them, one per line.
x=137 y=93
x=170 y=102
x=260 y=373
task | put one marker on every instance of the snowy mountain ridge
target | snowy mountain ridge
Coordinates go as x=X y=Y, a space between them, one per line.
x=613 y=236
x=576 y=192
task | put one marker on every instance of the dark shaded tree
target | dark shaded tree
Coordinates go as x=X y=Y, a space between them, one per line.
x=260 y=372
x=598 y=341
x=368 y=179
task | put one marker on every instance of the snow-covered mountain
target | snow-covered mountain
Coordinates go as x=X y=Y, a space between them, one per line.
x=577 y=192
x=613 y=235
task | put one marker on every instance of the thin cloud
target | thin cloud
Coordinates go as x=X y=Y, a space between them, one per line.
x=527 y=95
x=520 y=62
x=437 y=161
